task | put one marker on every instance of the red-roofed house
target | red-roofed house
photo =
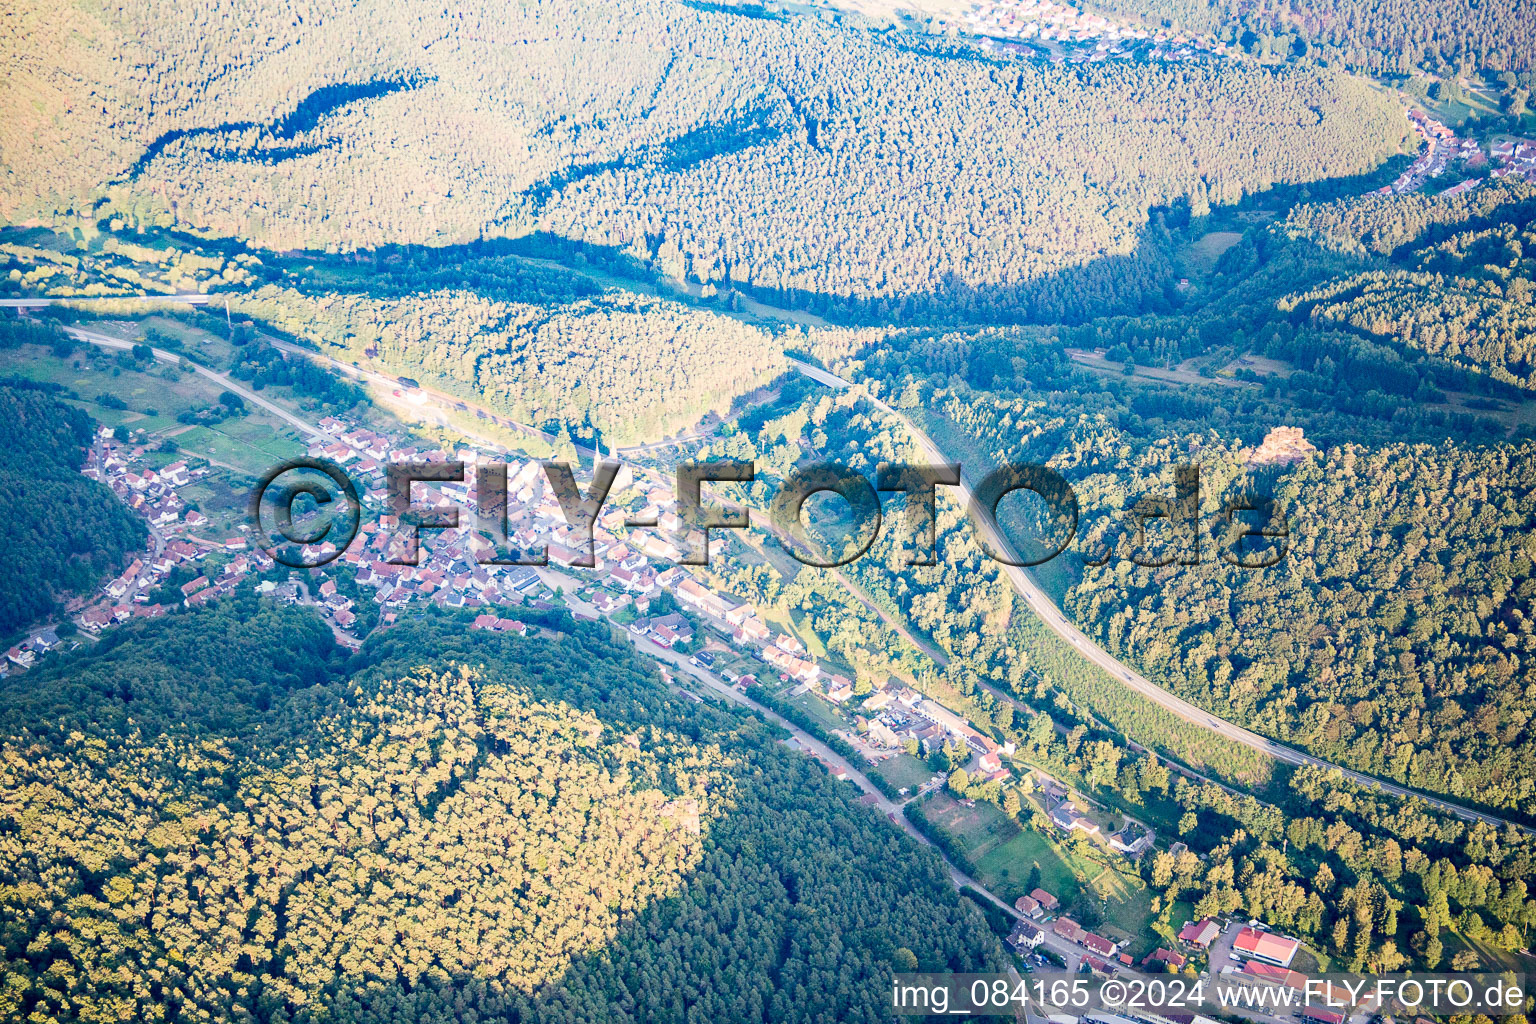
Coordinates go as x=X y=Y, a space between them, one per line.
x=1199 y=933
x=1098 y=943
x=1068 y=929
x=1265 y=946
x=1164 y=956
x=1322 y=1016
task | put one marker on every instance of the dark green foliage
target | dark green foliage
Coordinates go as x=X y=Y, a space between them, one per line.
x=61 y=533
x=264 y=365
x=448 y=826
x=229 y=673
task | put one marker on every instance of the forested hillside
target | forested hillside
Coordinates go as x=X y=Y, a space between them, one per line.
x=625 y=367
x=1395 y=637
x=61 y=533
x=1373 y=880
x=1469 y=298
x=1381 y=224
x=443 y=827
x=711 y=144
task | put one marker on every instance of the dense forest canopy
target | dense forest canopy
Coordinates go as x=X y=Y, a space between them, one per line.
x=1395 y=638
x=703 y=141
x=1372 y=880
x=230 y=819
x=625 y=367
x=1469 y=298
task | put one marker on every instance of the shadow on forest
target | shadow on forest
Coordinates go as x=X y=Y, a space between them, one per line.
x=681 y=153
x=797 y=881
x=545 y=269
x=322 y=101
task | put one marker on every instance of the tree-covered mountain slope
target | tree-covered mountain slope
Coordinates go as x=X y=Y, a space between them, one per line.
x=792 y=156
x=218 y=815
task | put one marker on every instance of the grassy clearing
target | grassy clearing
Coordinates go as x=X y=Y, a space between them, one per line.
x=250 y=448
x=224 y=503
x=904 y=771
x=978 y=828
x=1168 y=924
x=1201 y=254
x=1011 y=866
x=1010 y=860
x=821 y=711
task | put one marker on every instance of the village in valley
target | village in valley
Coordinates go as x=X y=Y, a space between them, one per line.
x=1445 y=151
x=1070 y=34
x=702 y=638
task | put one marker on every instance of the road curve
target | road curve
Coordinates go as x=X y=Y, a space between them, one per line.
x=1038 y=602
x=223 y=380
x=1052 y=616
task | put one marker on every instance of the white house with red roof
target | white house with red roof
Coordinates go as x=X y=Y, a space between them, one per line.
x=1265 y=946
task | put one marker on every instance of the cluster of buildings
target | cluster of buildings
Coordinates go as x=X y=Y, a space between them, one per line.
x=1100 y=954
x=1103 y=955
x=453 y=567
x=1004 y=24
x=26 y=653
x=1266 y=960
x=1133 y=839
x=1516 y=159
x=1253 y=944
x=127 y=469
x=149 y=492
x=173 y=544
x=628 y=564
x=895 y=716
x=1442 y=147
x=1263 y=957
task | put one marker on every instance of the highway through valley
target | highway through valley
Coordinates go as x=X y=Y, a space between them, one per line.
x=1018 y=577
x=1086 y=648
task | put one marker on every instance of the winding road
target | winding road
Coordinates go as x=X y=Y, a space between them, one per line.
x=1019 y=578
x=1122 y=673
